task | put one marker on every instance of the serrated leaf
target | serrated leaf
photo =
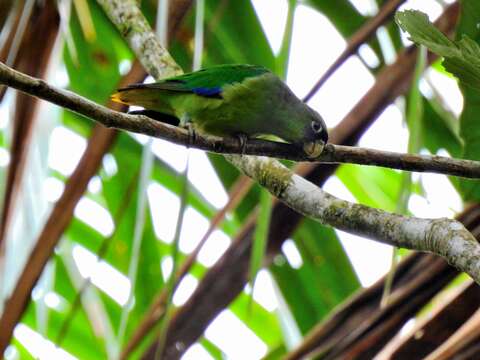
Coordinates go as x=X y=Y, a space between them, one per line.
x=461 y=58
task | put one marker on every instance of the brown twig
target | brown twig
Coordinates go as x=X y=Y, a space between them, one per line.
x=360 y=37
x=465 y=335
x=32 y=60
x=13 y=33
x=433 y=330
x=5 y=7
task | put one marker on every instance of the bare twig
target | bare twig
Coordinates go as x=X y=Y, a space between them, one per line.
x=32 y=60
x=144 y=125
x=467 y=333
x=362 y=35
x=393 y=160
x=5 y=7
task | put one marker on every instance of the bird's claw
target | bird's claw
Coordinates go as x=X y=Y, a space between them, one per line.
x=242 y=139
x=192 y=136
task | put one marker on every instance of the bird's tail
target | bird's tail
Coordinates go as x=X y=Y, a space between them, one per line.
x=150 y=99
x=119 y=97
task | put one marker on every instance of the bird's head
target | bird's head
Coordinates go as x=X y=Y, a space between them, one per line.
x=316 y=134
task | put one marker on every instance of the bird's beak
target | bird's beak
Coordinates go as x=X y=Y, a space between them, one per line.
x=313 y=148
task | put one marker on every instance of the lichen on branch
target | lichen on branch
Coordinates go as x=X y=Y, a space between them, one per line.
x=444 y=237
x=133 y=26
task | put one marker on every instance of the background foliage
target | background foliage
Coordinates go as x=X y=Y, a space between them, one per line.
x=92 y=61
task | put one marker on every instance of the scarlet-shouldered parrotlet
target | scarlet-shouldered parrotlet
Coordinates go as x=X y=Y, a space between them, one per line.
x=244 y=101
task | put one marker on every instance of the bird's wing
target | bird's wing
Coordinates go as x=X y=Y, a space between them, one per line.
x=208 y=82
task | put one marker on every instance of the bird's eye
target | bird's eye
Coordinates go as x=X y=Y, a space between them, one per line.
x=316 y=127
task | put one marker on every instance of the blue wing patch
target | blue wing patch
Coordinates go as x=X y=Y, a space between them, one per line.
x=208 y=92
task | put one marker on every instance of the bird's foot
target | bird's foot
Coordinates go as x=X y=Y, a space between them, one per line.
x=242 y=139
x=192 y=135
x=186 y=123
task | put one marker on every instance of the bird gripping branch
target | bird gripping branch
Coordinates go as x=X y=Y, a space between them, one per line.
x=244 y=101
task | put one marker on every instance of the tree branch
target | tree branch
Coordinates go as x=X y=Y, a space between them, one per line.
x=355 y=41
x=445 y=237
x=129 y=20
x=144 y=125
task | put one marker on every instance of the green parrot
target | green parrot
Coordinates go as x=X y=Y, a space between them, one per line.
x=243 y=101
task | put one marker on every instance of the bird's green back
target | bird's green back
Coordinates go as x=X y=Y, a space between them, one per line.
x=207 y=82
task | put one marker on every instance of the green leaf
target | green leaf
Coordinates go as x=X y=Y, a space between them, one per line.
x=284 y=55
x=212 y=349
x=462 y=58
x=469 y=129
x=241 y=39
x=260 y=237
x=440 y=129
x=23 y=353
x=276 y=353
x=373 y=186
x=263 y=323
x=96 y=73
x=325 y=278
x=81 y=339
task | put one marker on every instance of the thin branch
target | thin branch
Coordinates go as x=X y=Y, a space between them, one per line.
x=444 y=237
x=465 y=335
x=33 y=60
x=400 y=161
x=360 y=37
x=144 y=125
